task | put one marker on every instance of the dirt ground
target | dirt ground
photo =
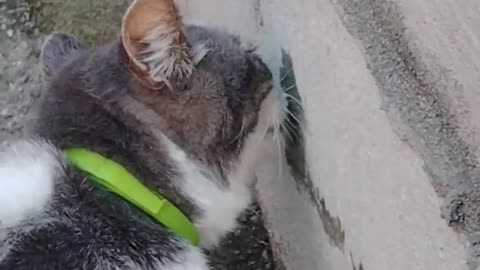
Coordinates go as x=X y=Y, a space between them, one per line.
x=23 y=26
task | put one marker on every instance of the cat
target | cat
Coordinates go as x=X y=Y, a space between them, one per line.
x=188 y=110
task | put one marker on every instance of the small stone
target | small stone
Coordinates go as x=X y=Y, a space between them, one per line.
x=4 y=112
x=10 y=32
x=35 y=94
x=25 y=79
x=9 y=125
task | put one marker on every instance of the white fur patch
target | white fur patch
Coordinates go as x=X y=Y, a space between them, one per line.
x=222 y=204
x=260 y=143
x=27 y=174
x=189 y=259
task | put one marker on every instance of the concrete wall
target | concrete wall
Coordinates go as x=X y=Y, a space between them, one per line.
x=391 y=92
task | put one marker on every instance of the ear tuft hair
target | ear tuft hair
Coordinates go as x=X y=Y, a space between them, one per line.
x=153 y=38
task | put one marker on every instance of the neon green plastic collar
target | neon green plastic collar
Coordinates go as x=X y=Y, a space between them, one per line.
x=117 y=179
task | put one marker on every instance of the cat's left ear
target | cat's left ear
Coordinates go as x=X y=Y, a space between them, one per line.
x=58 y=50
x=156 y=46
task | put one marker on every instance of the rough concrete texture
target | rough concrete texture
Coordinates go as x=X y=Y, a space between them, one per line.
x=20 y=80
x=389 y=90
x=423 y=57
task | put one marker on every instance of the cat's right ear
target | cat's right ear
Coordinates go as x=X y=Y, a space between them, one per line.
x=58 y=50
x=157 y=49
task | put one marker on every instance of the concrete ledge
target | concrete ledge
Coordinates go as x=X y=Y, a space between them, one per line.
x=391 y=132
x=424 y=58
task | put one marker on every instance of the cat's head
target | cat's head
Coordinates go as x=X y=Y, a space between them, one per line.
x=203 y=88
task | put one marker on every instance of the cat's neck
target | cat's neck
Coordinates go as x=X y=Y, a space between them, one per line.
x=68 y=117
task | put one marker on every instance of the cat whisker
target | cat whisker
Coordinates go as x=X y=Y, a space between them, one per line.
x=280 y=144
x=292 y=127
x=289 y=88
x=297 y=101
x=290 y=122
x=292 y=115
x=240 y=133
x=284 y=76
x=287 y=132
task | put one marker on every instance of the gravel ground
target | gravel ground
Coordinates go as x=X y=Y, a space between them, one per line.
x=247 y=248
x=19 y=74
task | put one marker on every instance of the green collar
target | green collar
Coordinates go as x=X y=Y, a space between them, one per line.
x=118 y=180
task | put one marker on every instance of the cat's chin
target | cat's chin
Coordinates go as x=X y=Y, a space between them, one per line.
x=272 y=113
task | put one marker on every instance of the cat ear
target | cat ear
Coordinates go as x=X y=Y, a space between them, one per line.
x=58 y=49
x=155 y=44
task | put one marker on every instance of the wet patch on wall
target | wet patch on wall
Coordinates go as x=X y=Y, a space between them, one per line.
x=295 y=150
x=415 y=97
x=332 y=227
